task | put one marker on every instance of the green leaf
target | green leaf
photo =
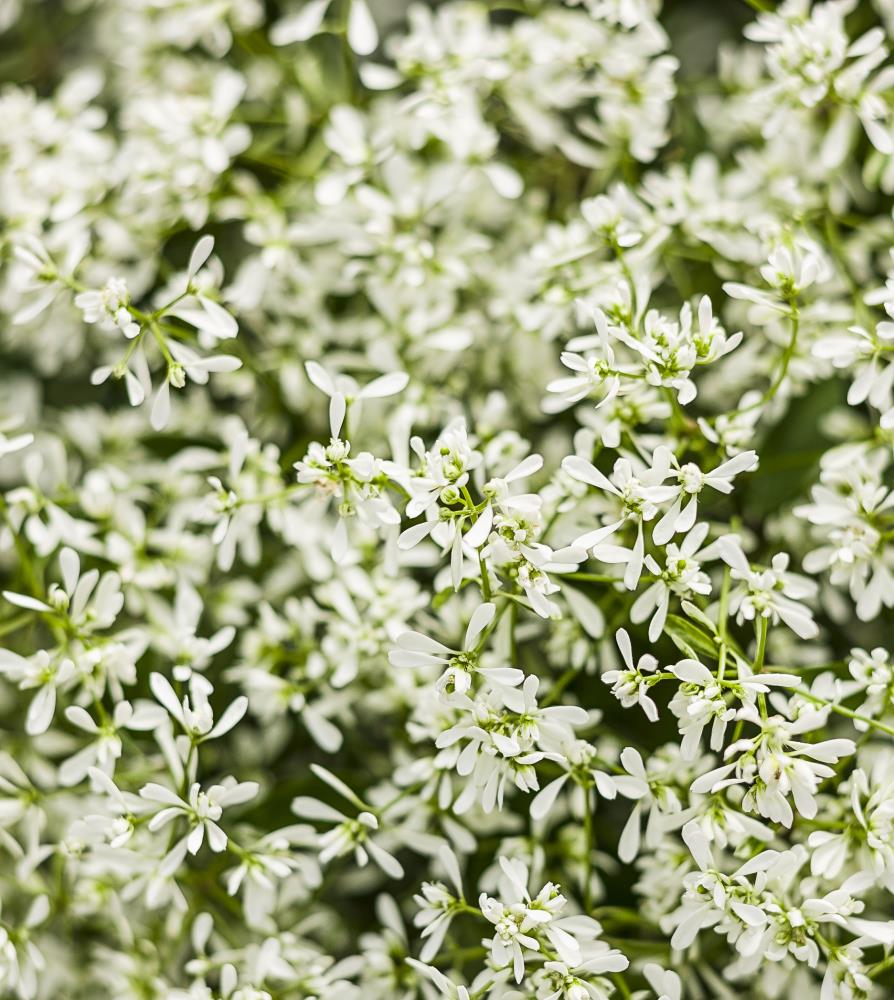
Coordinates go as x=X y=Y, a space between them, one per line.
x=689 y=638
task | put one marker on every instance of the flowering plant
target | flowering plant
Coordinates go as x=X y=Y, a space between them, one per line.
x=446 y=500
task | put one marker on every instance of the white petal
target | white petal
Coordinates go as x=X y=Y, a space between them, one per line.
x=71 y=568
x=337 y=409
x=302 y=26
x=628 y=846
x=161 y=407
x=478 y=534
x=23 y=601
x=77 y=716
x=362 y=34
x=320 y=377
x=544 y=800
x=697 y=842
x=385 y=385
x=161 y=688
x=40 y=711
x=230 y=718
x=305 y=807
x=586 y=472
x=389 y=865
x=200 y=253
x=481 y=618
x=416 y=642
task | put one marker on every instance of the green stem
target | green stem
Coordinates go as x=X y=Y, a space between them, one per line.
x=758 y=665
x=588 y=849
x=162 y=343
x=15 y=623
x=485 y=579
x=25 y=564
x=266 y=498
x=513 y=621
x=880 y=967
x=787 y=356
x=595 y=577
x=557 y=688
x=841 y=710
x=623 y=988
x=722 y=614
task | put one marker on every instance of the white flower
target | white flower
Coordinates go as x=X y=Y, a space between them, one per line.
x=682 y=576
x=343 y=391
x=185 y=363
x=594 y=372
x=176 y=633
x=201 y=810
x=358 y=484
x=438 y=905
x=665 y=982
x=497 y=494
x=652 y=796
x=524 y=923
x=446 y=988
x=349 y=835
x=772 y=593
x=846 y=508
x=196 y=306
x=774 y=765
x=108 y=306
x=41 y=273
x=308 y=21
x=107 y=746
x=459 y=666
x=637 y=495
x=700 y=700
x=89 y=601
x=868 y=834
x=712 y=898
x=579 y=756
x=873 y=673
x=193 y=712
x=787 y=273
x=21 y=962
x=631 y=686
x=692 y=480
x=44 y=673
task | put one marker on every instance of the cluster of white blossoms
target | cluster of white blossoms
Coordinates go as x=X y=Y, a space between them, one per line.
x=446 y=500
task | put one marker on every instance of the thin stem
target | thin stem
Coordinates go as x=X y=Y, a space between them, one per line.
x=21 y=548
x=15 y=623
x=485 y=578
x=787 y=356
x=162 y=343
x=722 y=614
x=623 y=988
x=758 y=666
x=513 y=621
x=266 y=498
x=595 y=577
x=588 y=849
x=841 y=710
x=880 y=967
x=560 y=685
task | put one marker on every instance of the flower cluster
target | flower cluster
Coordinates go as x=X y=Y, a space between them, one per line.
x=446 y=500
